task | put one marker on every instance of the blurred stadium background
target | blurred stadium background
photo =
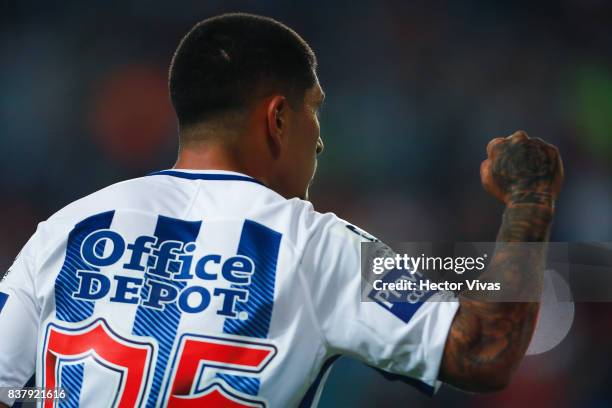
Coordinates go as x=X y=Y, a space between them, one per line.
x=414 y=92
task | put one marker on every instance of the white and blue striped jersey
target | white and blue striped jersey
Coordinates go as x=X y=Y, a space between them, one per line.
x=193 y=288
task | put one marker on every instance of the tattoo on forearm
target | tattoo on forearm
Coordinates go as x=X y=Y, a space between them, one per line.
x=494 y=333
x=488 y=338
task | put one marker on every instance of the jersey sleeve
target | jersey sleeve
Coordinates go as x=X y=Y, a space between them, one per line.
x=19 y=315
x=404 y=341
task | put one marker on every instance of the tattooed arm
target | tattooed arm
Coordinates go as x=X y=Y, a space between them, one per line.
x=488 y=339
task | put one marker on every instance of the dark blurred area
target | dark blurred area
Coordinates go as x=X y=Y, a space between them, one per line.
x=415 y=90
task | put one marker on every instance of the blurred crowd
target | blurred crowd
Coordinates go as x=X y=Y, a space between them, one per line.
x=415 y=90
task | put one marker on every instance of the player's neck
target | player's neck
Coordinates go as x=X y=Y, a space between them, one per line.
x=214 y=158
x=210 y=158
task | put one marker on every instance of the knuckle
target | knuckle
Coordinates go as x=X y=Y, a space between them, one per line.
x=521 y=133
x=495 y=144
x=485 y=166
x=518 y=136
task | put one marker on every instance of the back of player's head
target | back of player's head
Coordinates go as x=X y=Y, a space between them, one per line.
x=226 y=63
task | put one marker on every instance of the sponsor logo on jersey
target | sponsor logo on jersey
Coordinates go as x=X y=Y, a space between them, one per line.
x=162 y=263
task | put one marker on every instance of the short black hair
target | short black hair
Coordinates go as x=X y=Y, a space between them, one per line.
x=227 y=62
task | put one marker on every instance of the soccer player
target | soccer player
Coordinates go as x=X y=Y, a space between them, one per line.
x=216 y=284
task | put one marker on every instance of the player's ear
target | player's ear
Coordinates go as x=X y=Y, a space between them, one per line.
x=277 y=123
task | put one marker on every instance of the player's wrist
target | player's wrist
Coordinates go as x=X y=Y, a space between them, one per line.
x=542 y=198
x=539 y=215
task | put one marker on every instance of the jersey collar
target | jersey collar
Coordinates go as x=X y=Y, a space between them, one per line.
x=218 y=175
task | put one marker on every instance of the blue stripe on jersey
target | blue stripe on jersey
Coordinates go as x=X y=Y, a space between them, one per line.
x=71 y=378
x=69 y=309
x=73 y=310
x=205 y=176
x=262 y=245
x=162 y=324
x=3 y=299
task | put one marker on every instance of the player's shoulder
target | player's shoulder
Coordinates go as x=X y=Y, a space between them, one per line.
x=105 y=199
x=317 y=227
x=128 y=195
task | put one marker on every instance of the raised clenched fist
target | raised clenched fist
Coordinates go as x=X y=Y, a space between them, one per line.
x=520 y=169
